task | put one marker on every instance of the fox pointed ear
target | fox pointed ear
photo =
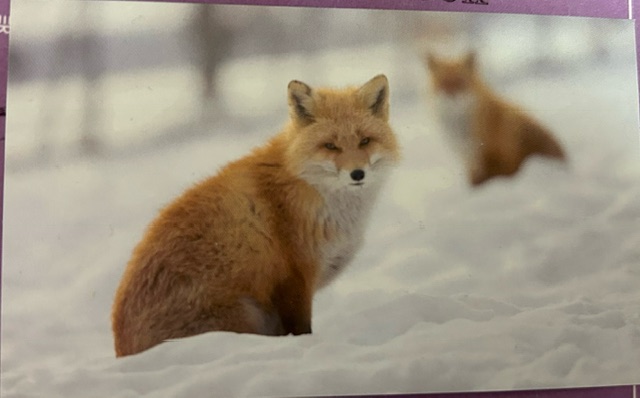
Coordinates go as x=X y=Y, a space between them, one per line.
x=300 y=102
x=375 y=94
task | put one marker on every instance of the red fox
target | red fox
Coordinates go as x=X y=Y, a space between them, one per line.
x=245 y=250
x=493 y=136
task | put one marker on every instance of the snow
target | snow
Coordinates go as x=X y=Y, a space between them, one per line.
x=530 y=282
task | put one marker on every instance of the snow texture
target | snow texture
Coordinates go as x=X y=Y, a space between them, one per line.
x=527 y=282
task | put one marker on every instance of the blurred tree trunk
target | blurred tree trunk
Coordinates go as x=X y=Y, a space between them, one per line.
x=212 y=42
x=91 y=69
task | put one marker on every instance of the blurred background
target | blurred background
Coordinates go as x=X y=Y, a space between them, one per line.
x=110 y=78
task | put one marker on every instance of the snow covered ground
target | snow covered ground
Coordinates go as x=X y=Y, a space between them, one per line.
x=525 y=283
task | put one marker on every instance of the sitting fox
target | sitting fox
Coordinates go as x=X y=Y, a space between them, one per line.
x=493 y=136
x=245 y=250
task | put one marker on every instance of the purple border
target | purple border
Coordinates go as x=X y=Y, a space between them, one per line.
x=583 y=8
x=635 y=14
x=586 y=392
x=586 y=8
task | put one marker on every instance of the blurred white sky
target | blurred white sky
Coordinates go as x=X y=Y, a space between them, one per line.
x=42 y=18
x=150 y=85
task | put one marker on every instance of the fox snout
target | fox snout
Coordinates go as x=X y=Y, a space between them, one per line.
x=357 y=175
x=453 y=85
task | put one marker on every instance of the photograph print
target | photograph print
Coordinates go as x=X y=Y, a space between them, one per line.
x=285 y=201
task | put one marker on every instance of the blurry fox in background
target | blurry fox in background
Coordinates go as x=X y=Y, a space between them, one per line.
x=493 y=136
x=245 y=250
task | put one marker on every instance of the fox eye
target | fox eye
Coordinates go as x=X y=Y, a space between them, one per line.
x=365 y=141
x=331 y=146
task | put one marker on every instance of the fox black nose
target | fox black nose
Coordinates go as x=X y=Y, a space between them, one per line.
x=357 y=175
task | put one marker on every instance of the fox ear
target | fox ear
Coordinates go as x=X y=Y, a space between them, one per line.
x=375 y=94
x=300 y=102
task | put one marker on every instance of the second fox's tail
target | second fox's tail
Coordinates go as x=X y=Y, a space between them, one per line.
x=536 y=140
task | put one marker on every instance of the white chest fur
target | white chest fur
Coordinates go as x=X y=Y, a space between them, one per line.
x=455 y=114
x=346 y=212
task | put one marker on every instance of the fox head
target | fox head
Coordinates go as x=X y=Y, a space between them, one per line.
x=341 y=139
x=452 y=77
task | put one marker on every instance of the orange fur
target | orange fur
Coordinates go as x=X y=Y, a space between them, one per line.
x=245 y=250
x=495 y=136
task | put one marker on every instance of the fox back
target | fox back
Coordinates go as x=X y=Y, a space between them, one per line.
x=245 y=250
x=493 y=136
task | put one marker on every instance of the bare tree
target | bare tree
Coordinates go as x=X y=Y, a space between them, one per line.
x=212 y=42
x=76 y=51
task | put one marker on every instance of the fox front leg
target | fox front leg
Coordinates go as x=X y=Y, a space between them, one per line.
x=293 y=300
x=478 y=172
